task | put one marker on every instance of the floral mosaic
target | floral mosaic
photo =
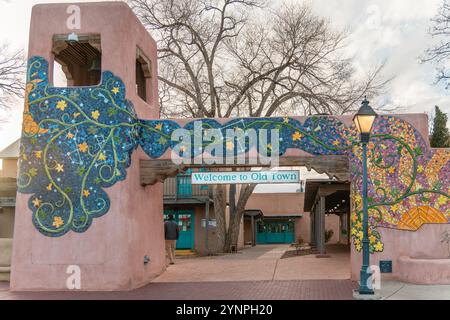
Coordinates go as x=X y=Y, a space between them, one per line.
x=78 y=141
x=75 y=142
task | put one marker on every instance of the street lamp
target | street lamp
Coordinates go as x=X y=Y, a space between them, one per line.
x=364 y=120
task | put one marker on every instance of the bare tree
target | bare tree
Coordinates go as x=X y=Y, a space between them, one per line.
x=440 y=52
x=224 y=58
x=12 y=76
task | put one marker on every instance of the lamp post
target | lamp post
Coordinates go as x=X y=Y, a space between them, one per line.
x=364 y=120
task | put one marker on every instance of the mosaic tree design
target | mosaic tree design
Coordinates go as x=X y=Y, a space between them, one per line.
x=75 y=142
x=408 y=182
x=78 y=141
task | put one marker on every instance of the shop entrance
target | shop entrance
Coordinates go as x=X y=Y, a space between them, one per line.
x=275 y=232
x=185 y=221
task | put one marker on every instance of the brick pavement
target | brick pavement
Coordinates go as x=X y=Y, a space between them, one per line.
x=223 y=290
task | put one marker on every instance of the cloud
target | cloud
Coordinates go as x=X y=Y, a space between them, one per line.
x=394 y=31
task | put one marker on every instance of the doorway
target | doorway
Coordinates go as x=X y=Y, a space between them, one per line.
x=275 y=232
x=185 y=221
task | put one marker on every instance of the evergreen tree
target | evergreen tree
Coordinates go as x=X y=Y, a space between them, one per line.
x=440 y=136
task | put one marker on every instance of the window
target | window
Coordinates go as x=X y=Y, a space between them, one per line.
x=77 y=63
x=143 y=75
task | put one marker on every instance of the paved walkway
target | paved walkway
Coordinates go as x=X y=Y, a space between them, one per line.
x=260 y=263
x=225 y=290
x=395 y=290
x=257 y=273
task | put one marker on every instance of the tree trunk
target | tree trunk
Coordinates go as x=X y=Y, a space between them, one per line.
x=236 y=214
x=219 y=212
x=232 y=221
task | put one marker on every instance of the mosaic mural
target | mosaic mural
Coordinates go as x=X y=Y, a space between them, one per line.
x=75 y=142
x=78 y=141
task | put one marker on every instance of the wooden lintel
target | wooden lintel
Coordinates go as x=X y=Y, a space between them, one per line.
x=153 y=171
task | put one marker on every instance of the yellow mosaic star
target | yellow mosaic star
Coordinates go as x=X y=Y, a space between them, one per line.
x=59 y=167
x=230 y=145
x=420 y=168
x=49 y=187
x=372 y=239
x=378 y=246
x=83 y=147
x=58 y=222
x=391 y=170
x=336 y=142
x=115 y=90
x=38 y=154
x=61 y=105
x=70 y=135
x=442 y=200
x=286 y=120
x=297 y=136
x=36 y=202
x=360 y=235
x=158 y=126
x=86 y=193
x=95 y=114
x=102 y=156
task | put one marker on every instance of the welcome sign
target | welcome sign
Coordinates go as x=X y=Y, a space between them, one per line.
x=228 y=177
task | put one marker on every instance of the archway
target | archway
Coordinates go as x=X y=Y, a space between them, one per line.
x=78 y=142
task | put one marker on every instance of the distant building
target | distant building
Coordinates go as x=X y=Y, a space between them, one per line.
x=8 y=189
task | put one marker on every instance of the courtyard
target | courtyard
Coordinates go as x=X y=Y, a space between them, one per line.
x=256 y=273
x=251 y=151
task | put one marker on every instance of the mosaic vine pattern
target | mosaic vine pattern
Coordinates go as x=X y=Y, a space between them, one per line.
x=75 y=142
x=408 y=183
x=78 y=141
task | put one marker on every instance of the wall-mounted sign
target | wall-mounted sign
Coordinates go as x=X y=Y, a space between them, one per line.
x=211 y=223
x=239 y=177
x=386 y=266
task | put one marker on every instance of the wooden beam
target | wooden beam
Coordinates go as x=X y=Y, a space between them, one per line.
x=153 y=171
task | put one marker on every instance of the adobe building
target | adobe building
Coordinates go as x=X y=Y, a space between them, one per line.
x=8 y=189
x=93 y=157
x=283 y=218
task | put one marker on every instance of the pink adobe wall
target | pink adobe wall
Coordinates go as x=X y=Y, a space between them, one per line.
x=110 y=254
x=277 y=203
x=423 y=243
x=332 y=222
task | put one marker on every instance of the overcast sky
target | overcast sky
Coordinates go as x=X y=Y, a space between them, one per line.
x=381 y=30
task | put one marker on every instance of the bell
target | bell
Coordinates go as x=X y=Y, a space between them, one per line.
x=96 y=65
x=73 y=37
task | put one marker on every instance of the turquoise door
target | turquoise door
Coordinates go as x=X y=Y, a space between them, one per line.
x=184 y=184
x=275 y=232
x=185 y=221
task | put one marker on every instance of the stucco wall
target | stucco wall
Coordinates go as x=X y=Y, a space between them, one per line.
x=277 y=203
x=423 y=243
x=332 y=222
x=111 y=253
x=9 y=168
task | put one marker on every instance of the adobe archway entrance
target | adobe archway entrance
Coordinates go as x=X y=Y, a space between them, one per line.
x=88 y=209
